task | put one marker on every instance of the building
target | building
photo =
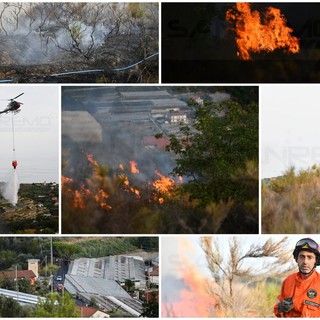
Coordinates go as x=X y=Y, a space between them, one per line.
x=176 y=117
x=118 y=268
x=19 y=274
x=153 y=275
x=89 y=312
x=101 y=279
x=33 y=264
x=153 y=142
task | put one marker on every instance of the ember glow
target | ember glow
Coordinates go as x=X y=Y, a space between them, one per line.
x=80 y=197
x=133 y=167
x=260 y=32
x=126 y=182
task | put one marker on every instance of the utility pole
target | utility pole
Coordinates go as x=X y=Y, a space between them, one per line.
x=46 y=266
x=51 y=249
x=17 y=285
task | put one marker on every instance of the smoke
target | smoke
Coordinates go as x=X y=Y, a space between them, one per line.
x=39 y=33
x=10 y=189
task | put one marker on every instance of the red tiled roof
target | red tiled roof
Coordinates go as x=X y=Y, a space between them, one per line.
x=21 y=274
x=155 y=271
x=160 y=143
x=86 y=312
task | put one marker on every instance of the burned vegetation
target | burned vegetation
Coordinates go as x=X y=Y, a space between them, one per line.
x=79 y=42
x=130 y=167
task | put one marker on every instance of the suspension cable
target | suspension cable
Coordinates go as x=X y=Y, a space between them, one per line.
x=13 y=142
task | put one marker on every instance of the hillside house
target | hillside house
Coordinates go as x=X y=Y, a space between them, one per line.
x=19 y=274
x=176 y=117
x=89 y=312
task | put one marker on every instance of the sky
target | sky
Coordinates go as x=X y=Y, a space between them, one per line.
x=172 y=246
x=289 y=127
x=36 y=133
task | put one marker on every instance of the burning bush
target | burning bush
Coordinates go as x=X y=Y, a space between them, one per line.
x=107 y=198
x=256 y=32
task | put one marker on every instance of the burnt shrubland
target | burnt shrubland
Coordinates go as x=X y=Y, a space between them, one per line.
x=42 y=39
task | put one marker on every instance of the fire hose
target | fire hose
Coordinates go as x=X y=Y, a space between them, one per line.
x=97 y=70
x=101 y=70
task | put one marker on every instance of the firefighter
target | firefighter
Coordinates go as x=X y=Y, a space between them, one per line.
x=300 y=292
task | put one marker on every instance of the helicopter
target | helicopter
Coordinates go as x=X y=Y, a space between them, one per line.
x=13 y=105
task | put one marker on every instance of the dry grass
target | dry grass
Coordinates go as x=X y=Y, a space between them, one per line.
x=291 y=204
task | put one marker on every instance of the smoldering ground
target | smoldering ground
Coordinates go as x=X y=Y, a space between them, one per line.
x=41 y=39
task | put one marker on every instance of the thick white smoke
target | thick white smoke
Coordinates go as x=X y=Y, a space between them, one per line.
x=10 y=189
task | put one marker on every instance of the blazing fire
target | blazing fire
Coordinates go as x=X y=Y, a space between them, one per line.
x=81 y=196
x=93 y=191
x=163 y=185
x=256 y=32
x=195 y=300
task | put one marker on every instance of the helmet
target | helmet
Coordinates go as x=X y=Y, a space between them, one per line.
x=307 y=244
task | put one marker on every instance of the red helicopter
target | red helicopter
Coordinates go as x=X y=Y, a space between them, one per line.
x=13 y=105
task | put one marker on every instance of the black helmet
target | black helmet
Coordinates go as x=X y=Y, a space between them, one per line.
x=307 y=244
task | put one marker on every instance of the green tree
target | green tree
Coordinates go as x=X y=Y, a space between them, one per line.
x=56 y=306
x=10 y=308
x=218 y=155
x=65 y=250
x=129 y=285
x=151 y=308
x=147 y=243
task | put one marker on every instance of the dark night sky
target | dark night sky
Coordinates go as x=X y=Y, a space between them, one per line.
x=198 y=46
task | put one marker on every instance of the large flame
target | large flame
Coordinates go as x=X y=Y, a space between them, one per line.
x=195 y=300
x=163 y=186
x=256 y=32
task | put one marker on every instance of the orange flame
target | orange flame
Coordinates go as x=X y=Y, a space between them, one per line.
x=164 y=186
x=126 y=182
x=91 y=160
x=254 y=34
x=80 y=197
x=133 y=167
x=78 y=201
x=100 y=198
x=65 y=180
x=195 y=300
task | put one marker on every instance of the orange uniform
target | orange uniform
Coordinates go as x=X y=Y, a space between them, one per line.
x=305 y=294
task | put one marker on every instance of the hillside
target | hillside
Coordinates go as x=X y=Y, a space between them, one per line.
x=291 y=203
x=37 y=210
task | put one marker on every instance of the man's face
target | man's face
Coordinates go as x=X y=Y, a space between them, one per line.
x=306 y=261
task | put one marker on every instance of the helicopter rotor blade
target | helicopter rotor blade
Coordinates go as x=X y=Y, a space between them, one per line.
x=17 y=96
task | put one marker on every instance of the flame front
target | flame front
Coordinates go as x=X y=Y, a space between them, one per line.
x=256 y=33
x=94 y=190
x=195 y=300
